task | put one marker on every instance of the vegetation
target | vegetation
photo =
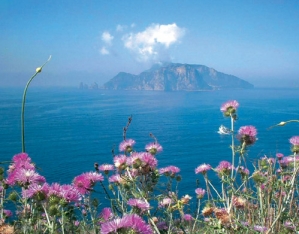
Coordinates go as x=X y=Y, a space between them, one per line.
x=142 y=198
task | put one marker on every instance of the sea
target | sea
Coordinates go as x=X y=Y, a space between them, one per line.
x=67 y=130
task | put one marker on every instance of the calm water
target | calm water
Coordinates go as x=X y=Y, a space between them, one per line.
x=67 y=130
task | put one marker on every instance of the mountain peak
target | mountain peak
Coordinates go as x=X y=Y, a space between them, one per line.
x=175 y=77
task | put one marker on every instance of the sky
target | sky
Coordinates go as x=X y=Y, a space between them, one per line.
x=92 y=41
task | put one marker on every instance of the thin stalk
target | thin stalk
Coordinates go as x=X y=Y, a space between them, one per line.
x=38 y=70
x=233 y=146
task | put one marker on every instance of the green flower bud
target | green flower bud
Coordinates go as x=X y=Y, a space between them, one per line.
x=38 y=70
x=13 y=196
x=53 y=210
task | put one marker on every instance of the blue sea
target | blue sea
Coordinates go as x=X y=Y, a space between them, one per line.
x=67 y=130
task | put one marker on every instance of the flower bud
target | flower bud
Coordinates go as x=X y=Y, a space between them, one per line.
x=38 y=70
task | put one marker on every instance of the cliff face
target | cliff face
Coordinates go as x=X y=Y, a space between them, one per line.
x=174 y=77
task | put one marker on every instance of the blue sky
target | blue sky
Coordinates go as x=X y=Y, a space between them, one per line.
x=256 y=40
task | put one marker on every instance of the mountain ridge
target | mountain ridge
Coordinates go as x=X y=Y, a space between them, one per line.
x=177 y=77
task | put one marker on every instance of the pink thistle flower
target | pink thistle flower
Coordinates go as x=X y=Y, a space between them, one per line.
x=141 y=204
x=279 y=156
x=294 y=140
x=106 y=214
x=224 y=168
x=135 y=160
x=54 y=189
x=120 y=162
x=261 y=229
x=188 y=217
x=39 y=191
x=94 y=177
x=169 y=171
x=243 y=171
x=247 y=135
x=229 y=108
x=70 y=193
x=82 y=183
x=116 y=179
x=21 y=157
x=153 y=148
x=162 y=226
x=200 y=193
x=203 y=168
x=165 y=202
x=106 y=168
x=148 y=160
x=127 y=145
x=129 y=222
x=25 y=177
x=7 y=213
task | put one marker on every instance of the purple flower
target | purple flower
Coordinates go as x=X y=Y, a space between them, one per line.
x=224 y=168
x=247 y=135
x=279 y=156
x=153 y=148
x=261 y=229
x=106 y=168
x=162 y=225
x=294 y=140
x=127 y=145
x=188 y=217
x=165 y=202
x=116 y=179
x=7 y=213
x=120 y=162
x=203 y=168
x=243 y=171
x=70 y=193
x=169 y=171
x=106 y=214
x=40 y=191
x=229 y=108
x=129 y=222
x=25 y=177
x=142 y=205
x=86 y=181
x=200 y=193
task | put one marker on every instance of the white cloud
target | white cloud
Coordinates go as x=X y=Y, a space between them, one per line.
x=153 y=41
x=107 y=37
x=120 y=28
x=104 y=51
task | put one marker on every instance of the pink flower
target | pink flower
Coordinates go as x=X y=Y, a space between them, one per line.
x=106 y=168
x=106 y=214
x=129 y=222
x=40 y=191
x=294 y=140
x=261 y=229
x=169 y=171
x=25 y=177
x=243 y=171
x=127 y=145
x=70 y=193
x=153 y=148
x=279 y=156
x=148 y=160
x=200 y=193
x=165 y=202
x=224 y=168
x=120 y=161
x=229 y=108
x=247 y=135
x=7 y=213
x=116 y=179
x=141 y=204
x=203 y=168
x=86 y=181
x=188 y=217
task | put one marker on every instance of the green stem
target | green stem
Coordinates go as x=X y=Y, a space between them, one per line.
x=38 y=70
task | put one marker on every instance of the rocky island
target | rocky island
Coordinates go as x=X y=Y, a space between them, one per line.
x=176 y=77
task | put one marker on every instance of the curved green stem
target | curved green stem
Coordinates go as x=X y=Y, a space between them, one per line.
x=38 y=70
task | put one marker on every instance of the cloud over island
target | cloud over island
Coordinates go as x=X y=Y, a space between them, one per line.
x=151 y=44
